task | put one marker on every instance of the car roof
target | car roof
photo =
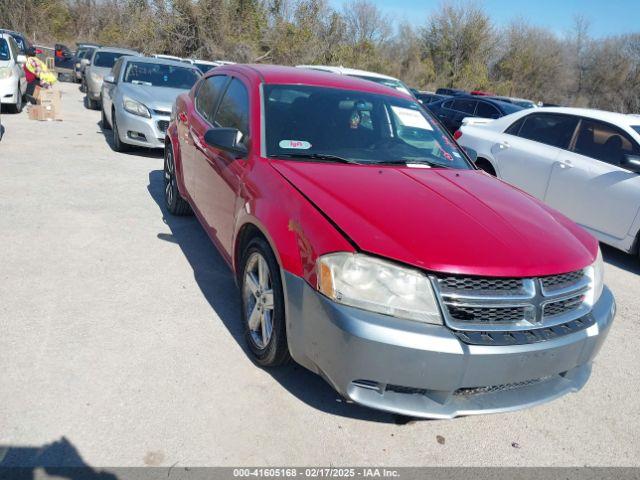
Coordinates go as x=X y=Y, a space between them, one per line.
x=347 y=71
x=161 y=61
x=611 y=117
x=117 y=50
x=276 y=74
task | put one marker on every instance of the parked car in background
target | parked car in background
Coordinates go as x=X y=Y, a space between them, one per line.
x=167 y=57
x=369 y=249
x=64 y=61
x=521 y=102
x=451 y=111
x=204 y=65
x=429 y=97
x=85 y=50
x=371 y=76
x=97 y=68
x=584 y=163
x=452 y=92
x=137 y=97
x=21 y=40
x=13 y=83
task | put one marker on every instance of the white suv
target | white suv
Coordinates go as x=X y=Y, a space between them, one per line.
x=584 y=163
x=13 y=83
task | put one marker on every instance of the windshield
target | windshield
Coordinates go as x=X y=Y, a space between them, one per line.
x=204 y=67
x=160 y=75
x=106 y=59
x=306 y=121
x=20 y=41
x=4 y=50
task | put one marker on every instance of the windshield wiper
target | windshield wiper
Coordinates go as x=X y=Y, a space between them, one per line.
x=412 y=162
x=315 y=156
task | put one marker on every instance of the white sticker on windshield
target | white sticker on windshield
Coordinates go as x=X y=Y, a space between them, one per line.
x=411 y=118
x=295 y=144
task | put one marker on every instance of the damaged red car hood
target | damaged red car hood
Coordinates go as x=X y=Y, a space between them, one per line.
x=445 y=220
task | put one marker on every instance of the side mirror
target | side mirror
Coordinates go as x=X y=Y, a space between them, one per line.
x=21 y=59
x=109 y=79
x=85 y=62
x=631 y=162
x=471 y=153
x=227 y=139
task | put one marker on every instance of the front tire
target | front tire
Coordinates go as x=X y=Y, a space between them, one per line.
x=118 y=145
x=17 y=107
x=172 y=198
x=262 y=297
x=103 y=121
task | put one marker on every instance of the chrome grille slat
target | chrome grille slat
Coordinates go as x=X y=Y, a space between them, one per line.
x=485 y=305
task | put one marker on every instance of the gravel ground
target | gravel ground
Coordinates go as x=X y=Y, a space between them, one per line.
x=120 y=342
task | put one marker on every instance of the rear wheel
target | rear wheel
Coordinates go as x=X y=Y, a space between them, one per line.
x=263 y=313
x=172 y=198
x=118 y=145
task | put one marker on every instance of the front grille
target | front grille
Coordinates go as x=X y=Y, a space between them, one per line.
x=487 y=315
x=556 y=282
x=498 y=388
x=163 y=125
x=562 y=306
x=481 y=306
x=507 y=285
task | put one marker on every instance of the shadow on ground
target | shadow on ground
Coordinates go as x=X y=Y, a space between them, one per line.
x=133 y=150
x=620 y=259
x=59 y=459
x=217 y=284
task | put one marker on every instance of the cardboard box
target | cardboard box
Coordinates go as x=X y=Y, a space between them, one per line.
x=43 y=113
x=48 y=104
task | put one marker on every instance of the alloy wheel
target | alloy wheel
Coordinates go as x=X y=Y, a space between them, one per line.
x=258 y=299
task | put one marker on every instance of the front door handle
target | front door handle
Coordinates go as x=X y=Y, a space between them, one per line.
x=503 y=145
x=565 y=164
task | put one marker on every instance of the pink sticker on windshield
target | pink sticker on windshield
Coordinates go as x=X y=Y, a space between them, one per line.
x=295 y=144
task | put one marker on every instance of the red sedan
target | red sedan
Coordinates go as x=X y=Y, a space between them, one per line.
x=368 y=247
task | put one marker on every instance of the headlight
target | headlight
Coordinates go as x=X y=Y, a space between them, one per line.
x=377 y=285
x=95 y=77
x=5 y=72
x=135 y=107
x=77 y=65
x=595 y=272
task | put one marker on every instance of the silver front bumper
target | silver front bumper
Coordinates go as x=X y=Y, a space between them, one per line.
x=424 y=370
x=141 y=131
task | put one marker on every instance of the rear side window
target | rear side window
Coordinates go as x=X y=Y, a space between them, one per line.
x=233 y=111
x=208 y=94
x=603 y=142
x=514 y=128
x=5 y=53
x=550 y=129
x=464 y=106
x=486 y=110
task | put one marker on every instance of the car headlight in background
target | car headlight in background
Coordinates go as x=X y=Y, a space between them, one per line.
x=377 y=285
x=595 y=272
x=135 y=107
x=5 y=72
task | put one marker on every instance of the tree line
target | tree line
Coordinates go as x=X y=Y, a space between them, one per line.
x=457 y=45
